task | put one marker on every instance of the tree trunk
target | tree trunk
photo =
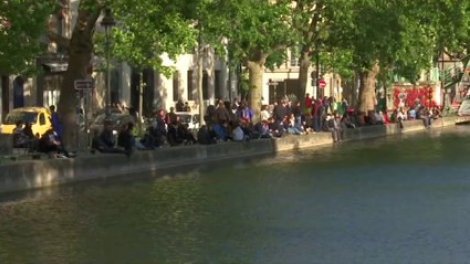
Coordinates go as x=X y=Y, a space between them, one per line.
x=367 y=97
x=256 y=70
x=80 y=54
x=348 y=90
x=200 y=75
x=305 y=60
x=4 y=96
x=355 y=89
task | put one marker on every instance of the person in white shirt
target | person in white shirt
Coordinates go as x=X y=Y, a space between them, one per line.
x=401 y=116
x=265 y=115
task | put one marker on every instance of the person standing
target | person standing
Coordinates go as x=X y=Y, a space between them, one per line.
x=317 y=115
x=56 y=122
x=308 y=103
x=297 y=112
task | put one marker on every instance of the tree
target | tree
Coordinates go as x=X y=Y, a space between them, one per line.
x=22 y=24
x=313 y=21
x=257 y=32
x=146 y=29
x=385 y=35
x=452 y=30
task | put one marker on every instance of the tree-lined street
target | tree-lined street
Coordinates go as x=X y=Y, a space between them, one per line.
x=369 y=39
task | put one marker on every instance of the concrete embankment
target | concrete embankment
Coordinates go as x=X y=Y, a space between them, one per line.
x=33 y=174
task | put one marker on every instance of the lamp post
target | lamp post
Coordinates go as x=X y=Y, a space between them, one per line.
x=107 y=22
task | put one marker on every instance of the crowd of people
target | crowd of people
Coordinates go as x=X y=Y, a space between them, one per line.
x=50 y=142
x=229 y=121
x=235 y=121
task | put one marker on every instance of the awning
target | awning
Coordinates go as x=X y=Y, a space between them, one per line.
x=56 y=67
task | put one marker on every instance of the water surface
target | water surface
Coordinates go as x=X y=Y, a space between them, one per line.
x=402 y=199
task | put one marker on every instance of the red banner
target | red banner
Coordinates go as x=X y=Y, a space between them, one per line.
x=410 y=96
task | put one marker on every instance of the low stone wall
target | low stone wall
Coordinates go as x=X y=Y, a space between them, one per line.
x=6 y=144
x=32 y=174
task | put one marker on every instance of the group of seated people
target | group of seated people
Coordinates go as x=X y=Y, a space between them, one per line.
x=49 y=143
x=161 y=131
x=223 y=123
x=166 y=128
x=105 y=141
x=418 y=112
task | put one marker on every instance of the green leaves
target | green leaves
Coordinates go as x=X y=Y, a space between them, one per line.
x=254 y=28
x=22 y=25
x=147 y=29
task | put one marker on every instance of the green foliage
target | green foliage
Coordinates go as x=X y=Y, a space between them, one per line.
x=147 y=29
x=397 y=34
x=338 y=61
x=452 y=25
x=254 y=28
x=22 y=25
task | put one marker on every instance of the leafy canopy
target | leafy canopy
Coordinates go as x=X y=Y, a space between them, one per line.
x=22 y=25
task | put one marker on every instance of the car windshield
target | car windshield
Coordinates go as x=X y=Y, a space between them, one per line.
x=188 y=119
x=113 y=119
x=185 y=119
x=25 y=117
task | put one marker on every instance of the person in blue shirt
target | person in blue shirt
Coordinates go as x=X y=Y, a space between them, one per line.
x=56 y=123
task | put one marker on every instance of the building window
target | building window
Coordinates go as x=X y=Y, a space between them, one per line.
x=217 y=84
x=205 y=85
x=294 y=56
x=176 y=86
x=191 y=91
x=60 y=25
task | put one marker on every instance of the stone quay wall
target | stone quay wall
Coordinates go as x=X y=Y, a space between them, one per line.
x=35 y=174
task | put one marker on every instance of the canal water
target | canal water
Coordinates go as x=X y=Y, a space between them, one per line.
x=403 y=199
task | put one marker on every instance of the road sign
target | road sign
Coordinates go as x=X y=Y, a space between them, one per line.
x=322 y=83
x=83 y=84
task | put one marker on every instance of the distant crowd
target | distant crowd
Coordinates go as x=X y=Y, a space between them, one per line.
x=227 y=121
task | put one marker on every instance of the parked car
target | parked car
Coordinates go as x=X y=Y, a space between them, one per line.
x=38 y=117
x=116 y=120
x=464 y=109
x=190 y=119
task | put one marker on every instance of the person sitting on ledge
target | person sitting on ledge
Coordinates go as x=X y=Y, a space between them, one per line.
x=347 y=122
x=188 y=136
x=173 y=136
x=401 y=116
x=435 y=113
x=50 y=144
x=237 y=132
x=336 y=127
x=205 y=136
x=379 y=118
x=412 y=114
x=221 y=130
x=424 y=114
x=276 y=129
x=261 y=129
x=105 y=142
x=23 y=136
x=126 y=139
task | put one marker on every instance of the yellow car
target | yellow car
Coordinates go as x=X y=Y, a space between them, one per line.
x=38 y=117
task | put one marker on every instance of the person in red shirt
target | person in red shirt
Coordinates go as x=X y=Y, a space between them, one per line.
x=308 y=101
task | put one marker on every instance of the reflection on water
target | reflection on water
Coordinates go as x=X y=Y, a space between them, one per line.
x=396 y=200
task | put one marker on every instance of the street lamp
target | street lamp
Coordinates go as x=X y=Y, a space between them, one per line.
x=107 y=22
